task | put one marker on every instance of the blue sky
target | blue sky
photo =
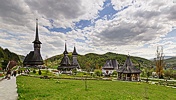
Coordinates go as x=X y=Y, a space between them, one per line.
x=136 y=27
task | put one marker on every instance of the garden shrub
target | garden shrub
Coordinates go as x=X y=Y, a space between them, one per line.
x=34 y=71
x=1 y=75
x=40 y=72
x=98 y=72
x=114 y=73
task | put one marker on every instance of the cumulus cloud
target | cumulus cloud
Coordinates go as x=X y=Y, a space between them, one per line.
x=137 y=27
x=140 y=23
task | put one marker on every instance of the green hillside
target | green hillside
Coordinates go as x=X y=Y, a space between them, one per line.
x=171 y=61
x=6 y=56
x=95 y=61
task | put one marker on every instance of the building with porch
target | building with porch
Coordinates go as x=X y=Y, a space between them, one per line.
x=128 y=72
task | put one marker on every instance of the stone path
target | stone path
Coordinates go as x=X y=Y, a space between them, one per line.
x=8 y=89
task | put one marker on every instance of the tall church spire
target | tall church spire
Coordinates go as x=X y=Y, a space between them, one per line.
x=65 y=52
x=74 y=51
x=37 y=36
x=75 y=60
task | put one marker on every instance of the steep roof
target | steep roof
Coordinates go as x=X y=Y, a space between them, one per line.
x=128 y=67
x=33 y=58
x=65 y=61
x=65 y=51
x=75 y=62
x=111 y=64
x=74 y=51
x=37 y=41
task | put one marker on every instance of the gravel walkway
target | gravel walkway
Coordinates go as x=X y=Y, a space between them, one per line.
x=8 y=89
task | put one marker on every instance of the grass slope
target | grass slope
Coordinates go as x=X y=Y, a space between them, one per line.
x=30 y=88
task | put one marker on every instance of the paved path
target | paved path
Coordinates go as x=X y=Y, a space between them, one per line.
x=8 y=89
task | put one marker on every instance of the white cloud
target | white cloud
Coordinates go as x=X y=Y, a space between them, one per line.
x=137 y=29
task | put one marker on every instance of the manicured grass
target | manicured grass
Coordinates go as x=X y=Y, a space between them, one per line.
x=30 y=88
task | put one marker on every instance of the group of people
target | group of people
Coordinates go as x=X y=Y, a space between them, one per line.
x=9 y=74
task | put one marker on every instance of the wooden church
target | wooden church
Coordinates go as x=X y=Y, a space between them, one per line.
x=128 y=72
x=66 y=66
x=34 y=58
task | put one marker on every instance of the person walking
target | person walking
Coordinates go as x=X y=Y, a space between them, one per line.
x=14 y=73
x=8 y=74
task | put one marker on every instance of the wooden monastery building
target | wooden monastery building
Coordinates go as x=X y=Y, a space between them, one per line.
x=109 y=67
x=34 y=58
x=128 y=71
x=66 y=66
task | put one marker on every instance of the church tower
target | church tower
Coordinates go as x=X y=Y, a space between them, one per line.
x=34 y=58
x=37 y=42
x=65 y=60
x=75 y=58
x=66 y=66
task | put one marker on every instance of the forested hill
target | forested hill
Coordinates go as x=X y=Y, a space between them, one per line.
x=95 y=61
x=6 y=56
x=171 y=61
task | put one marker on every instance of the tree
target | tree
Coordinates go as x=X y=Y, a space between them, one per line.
x=168 y=73
x=88 y=68
x=159 y=61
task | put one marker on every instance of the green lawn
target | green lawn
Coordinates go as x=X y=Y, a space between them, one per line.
x=30 y=88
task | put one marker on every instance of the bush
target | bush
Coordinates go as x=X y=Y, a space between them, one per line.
x=34 y=71
x=40 y=72
x=47 y=71
x=98 y=72
x=1 y=75
x=170 y=73
x=74 y=71
x=114 y=73
x=174 y=75
x=84 y=73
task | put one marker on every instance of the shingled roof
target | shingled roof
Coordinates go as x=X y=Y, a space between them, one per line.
x=128 y=67
x=65 y=61
x=65 y=51
x=33 y=59
x=74 y=51
x=112 y=64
